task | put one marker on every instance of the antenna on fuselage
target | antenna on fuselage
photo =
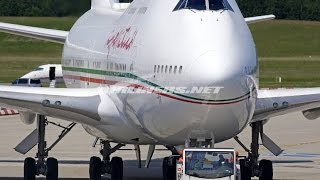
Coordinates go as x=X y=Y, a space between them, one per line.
x=102 y=4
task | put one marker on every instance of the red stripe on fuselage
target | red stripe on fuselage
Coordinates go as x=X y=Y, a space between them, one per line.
x=136 y=86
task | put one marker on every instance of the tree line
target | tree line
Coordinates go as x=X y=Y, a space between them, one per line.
x=43 y=7
x=283 y=9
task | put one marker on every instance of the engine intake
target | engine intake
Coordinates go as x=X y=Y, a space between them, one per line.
x=27 y=117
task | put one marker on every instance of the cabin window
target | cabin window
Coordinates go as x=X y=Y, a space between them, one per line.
x=170 y=69
x=162 y=69
x=166 y=70
x=180 y=69
x=175 y=69
x=158 y=69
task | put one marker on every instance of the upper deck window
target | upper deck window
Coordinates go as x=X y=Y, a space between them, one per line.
x=213 y=5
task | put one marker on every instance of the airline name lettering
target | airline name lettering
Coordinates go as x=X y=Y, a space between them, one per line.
x=122 y=39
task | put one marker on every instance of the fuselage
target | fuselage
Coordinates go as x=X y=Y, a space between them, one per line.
x=154 y=47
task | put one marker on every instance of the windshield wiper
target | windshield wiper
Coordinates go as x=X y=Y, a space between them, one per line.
x=191 y=9
x=225 y=9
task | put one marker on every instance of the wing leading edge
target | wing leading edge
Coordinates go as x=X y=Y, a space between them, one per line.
x=251 y=20
x=56 y=36
x=76 y=105
x=278 y=102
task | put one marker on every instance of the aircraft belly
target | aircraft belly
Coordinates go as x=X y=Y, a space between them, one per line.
x=168 y=121
x=209 y=122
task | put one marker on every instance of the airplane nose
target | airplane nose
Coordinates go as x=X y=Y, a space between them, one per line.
x=213 y=67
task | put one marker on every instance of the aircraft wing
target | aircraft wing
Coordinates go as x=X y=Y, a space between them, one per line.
x=76 y=105
x=52 y=35
x=277 y=102
x=251 y=20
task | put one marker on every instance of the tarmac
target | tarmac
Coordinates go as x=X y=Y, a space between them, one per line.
x=299 y=137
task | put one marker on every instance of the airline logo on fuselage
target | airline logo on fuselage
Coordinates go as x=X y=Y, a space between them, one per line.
x=122 y=38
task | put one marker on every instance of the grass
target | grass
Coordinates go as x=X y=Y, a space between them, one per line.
x=290 y=50
x=294 y=72
x=19 y=55
x=283 y=38
x=287 y=49
x=20 y=46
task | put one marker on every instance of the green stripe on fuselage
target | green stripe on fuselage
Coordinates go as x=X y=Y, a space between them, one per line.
x=134 y=77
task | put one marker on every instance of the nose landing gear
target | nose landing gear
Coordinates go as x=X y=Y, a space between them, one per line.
x=250 y=166
x=169 y=168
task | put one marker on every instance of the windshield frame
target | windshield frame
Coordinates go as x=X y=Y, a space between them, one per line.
x=217 y=151
x=183 y=4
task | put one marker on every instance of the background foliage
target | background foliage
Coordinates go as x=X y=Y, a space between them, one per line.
x=43 y=7
x=283 y=9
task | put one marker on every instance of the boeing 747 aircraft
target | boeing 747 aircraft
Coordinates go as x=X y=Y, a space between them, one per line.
x=177 y=73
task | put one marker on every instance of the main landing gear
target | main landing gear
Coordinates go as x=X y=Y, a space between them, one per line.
x=250 y=166
x=169 y=164
x=169 y=168
x=42 y=166
x=99 y=167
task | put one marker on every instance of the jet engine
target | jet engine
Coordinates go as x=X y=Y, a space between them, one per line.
x=27 y=117
x=311 y=114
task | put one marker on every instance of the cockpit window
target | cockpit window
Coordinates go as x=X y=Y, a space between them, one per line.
x=38 y=69
x=196 y=4
x=213 y=5
x=216 y=5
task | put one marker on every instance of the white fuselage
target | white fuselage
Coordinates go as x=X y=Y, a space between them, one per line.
x=149 y=45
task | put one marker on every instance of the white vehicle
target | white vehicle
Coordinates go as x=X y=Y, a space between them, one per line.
x=27 y=82
x=119 y=61
x=203 y=164
x=42 y=73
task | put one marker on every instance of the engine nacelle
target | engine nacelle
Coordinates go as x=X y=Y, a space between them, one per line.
x=265 y=121
x=312 y=114
x=27 y=117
